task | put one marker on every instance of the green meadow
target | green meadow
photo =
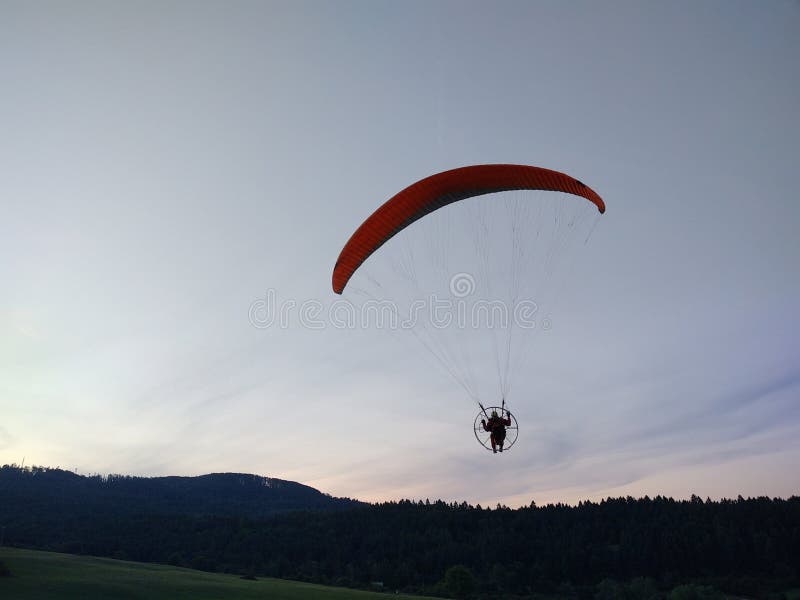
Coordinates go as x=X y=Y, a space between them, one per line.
x=38 y=575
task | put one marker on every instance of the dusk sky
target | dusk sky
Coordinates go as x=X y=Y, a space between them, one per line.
x=166 y=166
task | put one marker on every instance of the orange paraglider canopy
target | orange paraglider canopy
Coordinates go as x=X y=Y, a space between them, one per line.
x=436 y=191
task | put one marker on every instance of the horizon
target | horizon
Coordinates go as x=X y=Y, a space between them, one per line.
x=426 y=500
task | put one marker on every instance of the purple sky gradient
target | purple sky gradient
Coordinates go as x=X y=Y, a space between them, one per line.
x=167 y=163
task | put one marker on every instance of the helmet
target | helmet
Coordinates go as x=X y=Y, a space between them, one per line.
x=494 y=413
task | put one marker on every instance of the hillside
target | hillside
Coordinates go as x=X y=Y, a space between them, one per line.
x=221 y=494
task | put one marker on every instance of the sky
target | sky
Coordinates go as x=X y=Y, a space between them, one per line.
x=166 y=166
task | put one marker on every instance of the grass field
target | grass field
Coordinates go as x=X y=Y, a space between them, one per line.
x=51 y=576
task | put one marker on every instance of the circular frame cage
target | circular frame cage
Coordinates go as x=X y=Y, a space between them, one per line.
x=485 y=438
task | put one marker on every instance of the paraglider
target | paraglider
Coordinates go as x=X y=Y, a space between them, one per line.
x=496 y=428
x=482 y=242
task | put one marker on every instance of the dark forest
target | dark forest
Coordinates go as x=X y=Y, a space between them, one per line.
x=256 y=526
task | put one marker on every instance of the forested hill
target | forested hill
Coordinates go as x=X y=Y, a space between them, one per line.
x=248 y=524
x=220 y=494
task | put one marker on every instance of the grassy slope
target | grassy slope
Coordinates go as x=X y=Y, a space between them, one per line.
x=48 y=575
